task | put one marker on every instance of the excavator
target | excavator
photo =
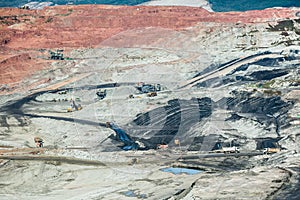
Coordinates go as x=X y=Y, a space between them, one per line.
x=134 y=143
x=101 y=94
x=56 y=55
x=129 y=143
x=74 y=106
x=150 y=89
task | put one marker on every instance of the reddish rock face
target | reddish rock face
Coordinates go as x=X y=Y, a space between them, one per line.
x=84 y=26
x=88 y=25
x=13 y=68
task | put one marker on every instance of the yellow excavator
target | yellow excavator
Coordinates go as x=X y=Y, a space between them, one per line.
x=74 y=106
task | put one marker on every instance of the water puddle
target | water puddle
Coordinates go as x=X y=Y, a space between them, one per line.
x=132 y=193
x=180 y=170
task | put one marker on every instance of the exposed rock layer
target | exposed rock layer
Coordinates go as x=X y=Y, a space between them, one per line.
x=90 y=25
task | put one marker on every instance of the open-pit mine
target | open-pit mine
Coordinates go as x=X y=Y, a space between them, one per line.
x=149 y=102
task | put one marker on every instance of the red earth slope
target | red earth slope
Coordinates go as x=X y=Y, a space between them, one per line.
x=68 y=27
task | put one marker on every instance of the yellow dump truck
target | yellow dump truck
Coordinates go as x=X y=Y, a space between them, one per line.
x=271 y=150
x=74 y=106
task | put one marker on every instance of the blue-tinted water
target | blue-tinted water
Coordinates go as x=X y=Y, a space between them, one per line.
x=243 y=5
x=132 y=193
x=18 y=3
x=179 y=170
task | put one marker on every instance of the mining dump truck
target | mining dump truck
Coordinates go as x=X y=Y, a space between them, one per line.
x=152 y=94
x=233 y=149
x=74 y=106
x=57 y=55
x=271 y=150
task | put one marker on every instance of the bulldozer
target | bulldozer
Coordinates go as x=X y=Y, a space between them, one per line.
x=74 y=106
